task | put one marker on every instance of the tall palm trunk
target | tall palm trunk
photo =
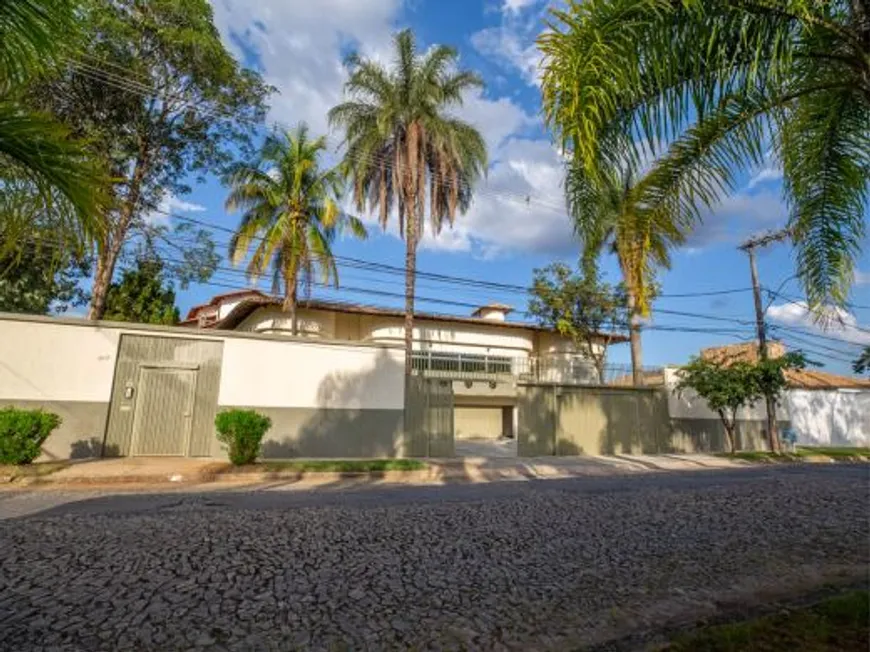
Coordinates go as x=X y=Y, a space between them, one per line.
x=634 y=318
x=411 y=192
x=410 y=278
x=290 y=299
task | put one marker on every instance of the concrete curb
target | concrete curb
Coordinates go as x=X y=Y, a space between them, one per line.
x=427 y=475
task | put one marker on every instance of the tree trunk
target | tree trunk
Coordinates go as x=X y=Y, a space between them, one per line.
x=772 y=434
x=730 y=435
x=115 y=239
x=106 y=259
x=410 y=277
x=636 y=350
x=412 y=181
x=290 y=300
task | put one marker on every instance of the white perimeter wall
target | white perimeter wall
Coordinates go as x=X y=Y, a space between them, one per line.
x=830 y=417
x=56 y=362
x=269 y=373
x=688 y=405
x=820 y=417
x=44 y=360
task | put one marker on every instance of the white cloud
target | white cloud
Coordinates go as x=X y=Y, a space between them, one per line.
x=512 y=43
x=737 y=216
x=496 y=120
x=518 y=208
x=171 y=204
x=834 y=322
x=765 y=175
x=516 y=6
x=300 y=47
x=862 y=278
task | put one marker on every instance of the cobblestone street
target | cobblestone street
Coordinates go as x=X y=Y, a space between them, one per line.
x=537 y=565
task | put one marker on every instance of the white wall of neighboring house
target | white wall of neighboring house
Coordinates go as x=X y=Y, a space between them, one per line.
x=688 y=405
x=836 y=417
x=819 y=417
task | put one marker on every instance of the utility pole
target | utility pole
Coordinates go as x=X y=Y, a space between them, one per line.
x=749 y=247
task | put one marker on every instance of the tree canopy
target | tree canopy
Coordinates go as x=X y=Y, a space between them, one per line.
x=404 y=144
x=157 y=95
x=142 y=295
x=714 y=86
x=581 y=307
x=290 y=214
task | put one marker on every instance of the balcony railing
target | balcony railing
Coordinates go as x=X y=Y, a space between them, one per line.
x=568 y=370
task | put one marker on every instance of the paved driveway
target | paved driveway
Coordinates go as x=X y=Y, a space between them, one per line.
x=536 y=565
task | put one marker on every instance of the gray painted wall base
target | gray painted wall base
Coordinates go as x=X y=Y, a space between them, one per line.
x=79 y=436
x=328 y=432
x=708 y=435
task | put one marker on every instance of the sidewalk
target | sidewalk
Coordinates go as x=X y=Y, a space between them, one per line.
x=130 y=471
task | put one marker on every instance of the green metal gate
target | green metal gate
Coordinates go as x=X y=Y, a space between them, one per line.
x=163 y=415
x=428 y=417
x=164 y=397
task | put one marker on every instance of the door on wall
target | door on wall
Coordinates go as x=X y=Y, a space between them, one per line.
x=163 y=415
x=478 y=422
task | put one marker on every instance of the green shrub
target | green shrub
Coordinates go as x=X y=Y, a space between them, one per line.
x=22 y=433
x=242 y=431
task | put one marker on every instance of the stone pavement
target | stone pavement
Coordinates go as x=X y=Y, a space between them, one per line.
x=502 y=566
x=136 y=471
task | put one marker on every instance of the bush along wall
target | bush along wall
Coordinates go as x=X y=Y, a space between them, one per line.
x=241 y=431
x=22 y=433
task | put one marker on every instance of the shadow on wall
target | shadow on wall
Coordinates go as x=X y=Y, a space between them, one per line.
x=604 y=421
x=830 y=418
x=338 y=427
x=92 y=448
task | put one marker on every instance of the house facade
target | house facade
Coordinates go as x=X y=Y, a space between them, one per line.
x=483 y=355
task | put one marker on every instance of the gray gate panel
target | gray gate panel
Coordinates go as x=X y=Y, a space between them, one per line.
x=138 y=350
x=428 y=417
x=164 y=411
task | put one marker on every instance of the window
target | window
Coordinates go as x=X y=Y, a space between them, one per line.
x=466 y=363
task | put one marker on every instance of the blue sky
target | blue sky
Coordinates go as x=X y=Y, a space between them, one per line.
x=517 y=221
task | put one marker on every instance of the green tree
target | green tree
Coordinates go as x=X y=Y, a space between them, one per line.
x=591 y=313
x=402 y=139
x=40 y=284
x=727 y=385
x=42 y=267
x=37 y=154
x=607 y=215
x=142 y=295
x=159 y=97
x=721 y=83
x=290 y=214
x=862 y=364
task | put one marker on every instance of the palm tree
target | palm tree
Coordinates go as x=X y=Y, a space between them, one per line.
x=401 y=139
x=607 y=215
x=290 y=214
x=42 y=170
x=722 y=83
x=862 y=364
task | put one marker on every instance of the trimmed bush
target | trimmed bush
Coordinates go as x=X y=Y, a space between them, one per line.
x=241 y=431
x=22 y=433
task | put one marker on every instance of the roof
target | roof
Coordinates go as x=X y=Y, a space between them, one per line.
x=797 y=378
x=256 y=299
x=217 y=300
x=495 y=307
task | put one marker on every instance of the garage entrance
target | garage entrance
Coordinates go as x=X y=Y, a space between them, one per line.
x=484 y=430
